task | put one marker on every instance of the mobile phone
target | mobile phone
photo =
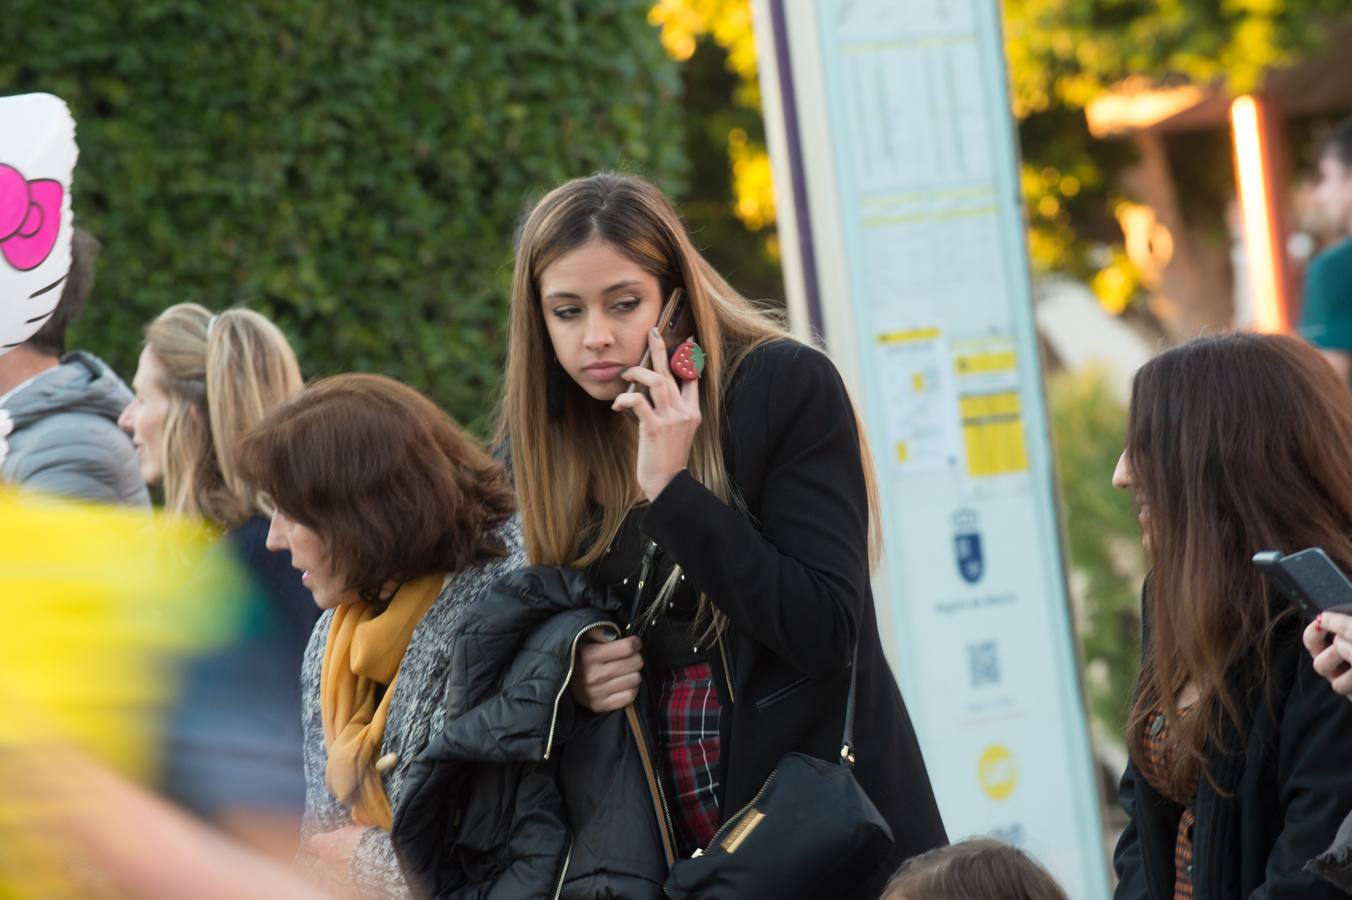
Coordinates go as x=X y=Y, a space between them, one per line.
x=1309 y=579
x=675 y=324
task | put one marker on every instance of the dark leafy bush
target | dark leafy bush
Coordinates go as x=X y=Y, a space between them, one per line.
x=353 y=169
x=1103 y=536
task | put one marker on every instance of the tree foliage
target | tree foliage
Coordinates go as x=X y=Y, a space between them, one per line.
x=354 y=170
x=1064 y=53
x=1061 y=54
x=731 y=204
x=1103 y=537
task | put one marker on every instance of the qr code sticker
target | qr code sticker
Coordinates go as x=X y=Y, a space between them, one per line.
x=983 y=663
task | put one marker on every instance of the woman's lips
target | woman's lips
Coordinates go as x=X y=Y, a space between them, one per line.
x=604 y=373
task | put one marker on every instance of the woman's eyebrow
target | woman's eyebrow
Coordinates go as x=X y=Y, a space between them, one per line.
x=569 y=295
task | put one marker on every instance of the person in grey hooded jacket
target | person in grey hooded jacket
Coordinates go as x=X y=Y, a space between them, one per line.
x=64 y=407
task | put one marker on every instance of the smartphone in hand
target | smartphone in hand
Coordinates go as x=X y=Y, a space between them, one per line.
x=675 y=324
x=1309 y=579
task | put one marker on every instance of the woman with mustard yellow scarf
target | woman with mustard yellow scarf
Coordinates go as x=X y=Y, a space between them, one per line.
x=398 y=521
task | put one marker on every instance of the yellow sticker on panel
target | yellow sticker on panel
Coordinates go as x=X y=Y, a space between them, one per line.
x=992 y=433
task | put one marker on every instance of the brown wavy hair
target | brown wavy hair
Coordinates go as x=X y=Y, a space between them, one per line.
x=1237 y=443
x=975 y=869
x=391 y=484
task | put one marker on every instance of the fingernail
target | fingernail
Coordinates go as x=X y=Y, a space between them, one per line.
x=655 y=333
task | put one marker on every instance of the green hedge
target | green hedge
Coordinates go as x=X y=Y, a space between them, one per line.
x=353 y=169
x=1107 y=563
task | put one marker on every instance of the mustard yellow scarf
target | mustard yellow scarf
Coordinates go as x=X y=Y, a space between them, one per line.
x=365 y=646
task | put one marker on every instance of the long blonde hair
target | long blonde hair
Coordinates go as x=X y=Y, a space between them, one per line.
x=222 y=375
x=561 y=461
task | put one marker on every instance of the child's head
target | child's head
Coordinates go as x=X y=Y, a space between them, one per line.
x=978 y=869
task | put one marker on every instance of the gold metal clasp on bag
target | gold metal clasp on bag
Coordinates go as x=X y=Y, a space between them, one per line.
x=742 y=830
x=846 y=754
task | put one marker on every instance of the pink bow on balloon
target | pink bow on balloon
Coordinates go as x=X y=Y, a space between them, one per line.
x=30 y=218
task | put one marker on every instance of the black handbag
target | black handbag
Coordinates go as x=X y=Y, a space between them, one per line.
x=810 y=831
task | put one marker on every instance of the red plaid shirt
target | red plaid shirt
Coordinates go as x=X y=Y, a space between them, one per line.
x=687 y=738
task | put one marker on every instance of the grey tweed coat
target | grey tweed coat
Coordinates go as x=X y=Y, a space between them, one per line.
x=417 y=712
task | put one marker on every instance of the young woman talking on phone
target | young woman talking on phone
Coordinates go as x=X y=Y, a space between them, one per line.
x=1238 y=768
x=733 y=510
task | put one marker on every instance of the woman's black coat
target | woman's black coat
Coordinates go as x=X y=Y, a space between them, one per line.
x=792 y=575
x=1283 y=791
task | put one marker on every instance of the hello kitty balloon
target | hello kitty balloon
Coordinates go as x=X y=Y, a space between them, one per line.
x=37 y=160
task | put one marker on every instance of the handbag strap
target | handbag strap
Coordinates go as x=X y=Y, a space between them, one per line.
x=847 y=739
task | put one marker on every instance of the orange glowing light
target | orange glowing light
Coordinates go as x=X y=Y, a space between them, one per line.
x=1255 y=202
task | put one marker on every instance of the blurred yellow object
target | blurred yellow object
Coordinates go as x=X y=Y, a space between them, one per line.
x=99 y=607
x=1264 y=246
x=96 y=603
x=97 y=835
x=752 y=183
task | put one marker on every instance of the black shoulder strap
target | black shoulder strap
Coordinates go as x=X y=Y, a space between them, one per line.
x=847 y=739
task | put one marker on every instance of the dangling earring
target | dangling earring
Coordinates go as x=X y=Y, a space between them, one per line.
x=554 y=376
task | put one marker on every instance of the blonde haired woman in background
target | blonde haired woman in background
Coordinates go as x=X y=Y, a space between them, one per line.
x=202 y=381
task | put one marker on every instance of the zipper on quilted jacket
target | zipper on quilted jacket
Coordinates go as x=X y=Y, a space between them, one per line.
x=563 y=873
x=567 y=679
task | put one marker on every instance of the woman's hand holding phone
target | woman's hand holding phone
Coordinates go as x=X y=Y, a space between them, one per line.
x=667 y=419
x=1329 y=640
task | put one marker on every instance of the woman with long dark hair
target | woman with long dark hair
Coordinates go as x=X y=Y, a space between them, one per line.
x=1238 y=754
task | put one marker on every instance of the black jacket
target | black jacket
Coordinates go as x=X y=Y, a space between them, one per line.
x=792 y=575
x=1285 y=789
x=515 y=799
